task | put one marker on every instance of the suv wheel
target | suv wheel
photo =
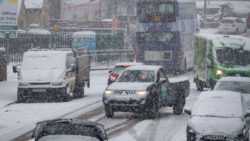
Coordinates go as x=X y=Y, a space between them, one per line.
x=153 y=109
x=178 y=108
x=109 y=112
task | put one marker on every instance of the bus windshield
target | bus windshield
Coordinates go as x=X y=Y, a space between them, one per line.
x=157 y=12
x=156 y=37
x=233 y=57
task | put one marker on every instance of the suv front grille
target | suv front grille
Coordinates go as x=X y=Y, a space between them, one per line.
x=47 y=83
x=125 y=92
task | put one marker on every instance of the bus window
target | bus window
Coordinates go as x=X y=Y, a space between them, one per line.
x=157 y=12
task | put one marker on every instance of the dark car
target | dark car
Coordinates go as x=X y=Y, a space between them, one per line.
x=218 y=116
x=144 y=89
x=119 y=67
x=69 y=129
x=248 y=20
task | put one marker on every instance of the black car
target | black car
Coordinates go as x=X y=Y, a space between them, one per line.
x=119 y=67
x=69 y=129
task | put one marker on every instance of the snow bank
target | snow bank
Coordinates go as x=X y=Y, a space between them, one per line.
x=141 y=126
x=33 y=4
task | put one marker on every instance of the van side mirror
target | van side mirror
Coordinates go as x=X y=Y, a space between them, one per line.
x=209 y=63
x=247 y=113
x=188 y=110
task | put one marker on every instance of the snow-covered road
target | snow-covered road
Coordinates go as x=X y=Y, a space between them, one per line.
x=18 y=119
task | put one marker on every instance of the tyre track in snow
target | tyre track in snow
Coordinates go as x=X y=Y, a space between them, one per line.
x=28 y=134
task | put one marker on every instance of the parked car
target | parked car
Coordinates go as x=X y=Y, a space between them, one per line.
x=69 y=130
x=218 y=116
x=232 y=25
x=144 y=89
x=235 y=84
x=248 y=20
x=52 y=75
x=119 y=67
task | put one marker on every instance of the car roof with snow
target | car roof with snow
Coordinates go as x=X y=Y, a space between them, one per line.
x=213 y=6
x=42 y=124
x=232 y=41
x=225 y=104
x=235 y=79
x=145 y=67
x=128 y=63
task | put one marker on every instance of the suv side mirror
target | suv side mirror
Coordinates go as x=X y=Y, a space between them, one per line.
x=188 y=110
x=162 y=80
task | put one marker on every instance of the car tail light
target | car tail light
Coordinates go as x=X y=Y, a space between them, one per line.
x=219 y=24
x=247 y=17
x=234 y=25
x=178 y=55
x=113 y=76
x=137 y=57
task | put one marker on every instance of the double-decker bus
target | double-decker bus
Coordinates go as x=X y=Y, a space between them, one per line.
x=165 y=33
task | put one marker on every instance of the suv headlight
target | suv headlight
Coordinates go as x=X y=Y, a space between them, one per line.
x=219 y=72
x=56 y=83
x=142 y=93
x=23 y=84
x=108 y=92
x=217 y=18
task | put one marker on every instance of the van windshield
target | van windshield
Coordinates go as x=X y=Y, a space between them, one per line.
x=43 y=61
x=233 y=57
x=212 y=11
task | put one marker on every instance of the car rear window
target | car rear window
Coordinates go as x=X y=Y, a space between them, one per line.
x=227 y=21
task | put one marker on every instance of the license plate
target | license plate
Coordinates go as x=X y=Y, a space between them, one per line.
x=225 y=28
x=214 y=137
x=39 y=90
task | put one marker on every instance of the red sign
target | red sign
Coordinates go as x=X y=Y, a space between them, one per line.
x=115 y=22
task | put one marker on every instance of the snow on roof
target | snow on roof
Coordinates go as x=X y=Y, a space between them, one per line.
x=128 y=63
x=229 y=41
x=33 y=4
x=144 y=67
x=238 y=79
x=84 y=33
x=39 y=31
x=218 y=104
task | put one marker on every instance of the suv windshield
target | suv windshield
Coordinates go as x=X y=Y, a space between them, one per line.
x=233 y=57
x=212 y=11
x=241 y=87
x=137 y=76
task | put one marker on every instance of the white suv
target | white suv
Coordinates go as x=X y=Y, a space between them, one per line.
x=232 y=25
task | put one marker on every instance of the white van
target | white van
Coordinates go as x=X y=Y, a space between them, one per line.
x=49 y=75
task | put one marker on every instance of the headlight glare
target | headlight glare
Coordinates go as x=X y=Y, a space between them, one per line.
x=56 y=83
x=23 y=84
x=219 y=72
x=142 y=93
x=108 y=92
x=201 y=19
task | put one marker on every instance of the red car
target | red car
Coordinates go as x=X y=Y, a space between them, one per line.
x=248 y=20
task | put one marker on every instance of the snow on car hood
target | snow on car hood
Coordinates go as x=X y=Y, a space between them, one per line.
x=216 y=126
x=67 y=138
x=41 y=74
x=129 y=86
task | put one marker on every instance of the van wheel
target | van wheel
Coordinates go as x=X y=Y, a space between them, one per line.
x=178 y=108
x=79 y=92
x=109 y=112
